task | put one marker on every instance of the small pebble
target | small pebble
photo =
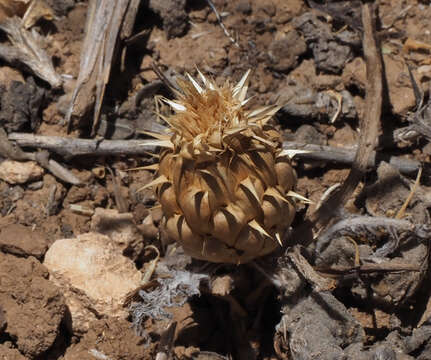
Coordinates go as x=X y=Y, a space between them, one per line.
x=37 y=185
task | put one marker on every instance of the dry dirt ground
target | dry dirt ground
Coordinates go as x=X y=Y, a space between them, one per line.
x=300 y=57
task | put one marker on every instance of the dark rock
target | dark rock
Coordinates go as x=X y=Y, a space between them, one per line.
x=331 y=50
x=306 y=102
x=244 y=6
x=61 y=7
x=319 y=324
x=20 y=105
x=285 y=50
x=173 y=15
x=2 y=321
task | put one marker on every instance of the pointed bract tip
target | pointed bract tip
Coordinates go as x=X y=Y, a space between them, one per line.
x=299 y=197
x=256 y=226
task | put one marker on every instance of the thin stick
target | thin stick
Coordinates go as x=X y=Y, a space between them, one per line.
x=371 y=121
x=220 y=21
x=387 y=266
x=344 y=155
x=12 y=151
x=369 y=126
x=401 y=212
x=71 y=147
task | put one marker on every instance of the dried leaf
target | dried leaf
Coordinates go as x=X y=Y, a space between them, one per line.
x=27 y=49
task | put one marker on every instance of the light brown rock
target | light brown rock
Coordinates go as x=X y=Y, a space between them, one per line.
x=401 y=95
x=222 y=285
x=16 y=172
x=22 y=240
x=354 y=73
x=32 y=306
x=7 y=352
x=94 y=276
x=8 y=74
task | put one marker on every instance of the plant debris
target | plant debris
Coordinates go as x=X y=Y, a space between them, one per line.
x=174 y=286
x=84 y=88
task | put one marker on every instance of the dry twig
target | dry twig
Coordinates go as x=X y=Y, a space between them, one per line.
x=304 y=268
x=369 y=124
x=403 y=208
x=220 y=21
x=14 y=152
x=71 y=147
x=344 y=155
x=369 y=131
x=386 y=267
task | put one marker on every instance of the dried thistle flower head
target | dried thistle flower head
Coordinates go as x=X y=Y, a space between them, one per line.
x=223 y=181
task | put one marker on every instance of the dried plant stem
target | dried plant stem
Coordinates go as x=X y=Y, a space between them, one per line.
x=386 y=266
x=12 y=151
x=369 y=131
x=368 y=224
x=71 y=147
x=108 y=22
x=369 y=124
x=402 y=211
x=344 y=155
x=220 y=21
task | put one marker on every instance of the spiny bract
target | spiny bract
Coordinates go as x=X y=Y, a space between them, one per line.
x=223 y=181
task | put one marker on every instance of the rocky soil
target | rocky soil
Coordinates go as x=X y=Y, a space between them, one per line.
x=85 y=272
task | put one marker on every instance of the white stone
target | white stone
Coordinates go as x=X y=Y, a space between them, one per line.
x=94 y=276
x=16 y=172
